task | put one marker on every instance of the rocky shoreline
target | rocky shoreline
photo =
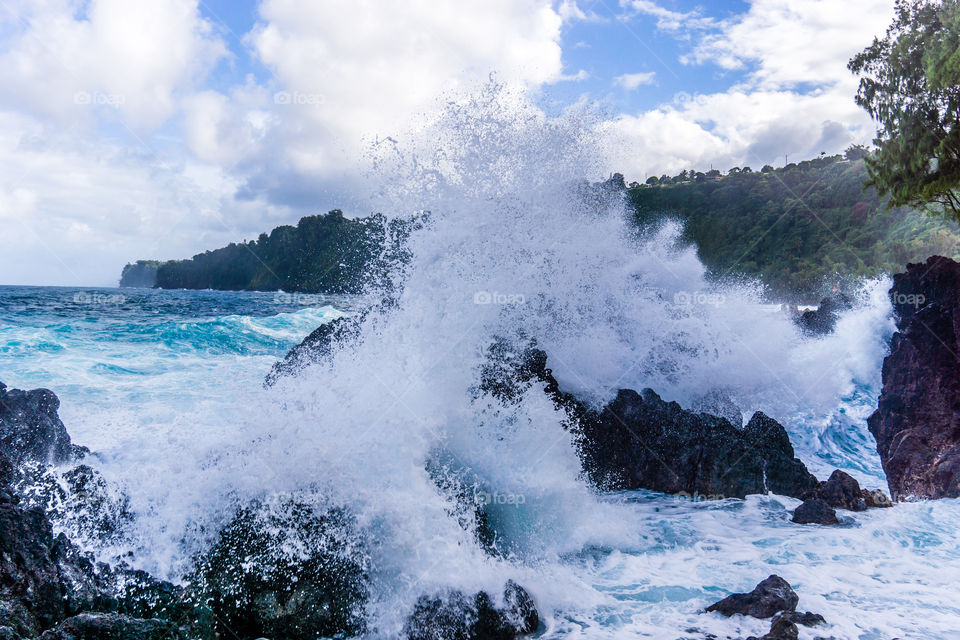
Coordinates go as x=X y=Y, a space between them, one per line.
x=248 y=585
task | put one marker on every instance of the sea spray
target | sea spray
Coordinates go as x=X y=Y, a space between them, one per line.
x=518 y=241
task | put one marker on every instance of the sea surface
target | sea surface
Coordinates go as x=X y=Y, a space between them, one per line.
x=142 y=374
x=518 y=245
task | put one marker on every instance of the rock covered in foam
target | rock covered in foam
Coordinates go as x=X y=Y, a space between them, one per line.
x=917 y=421
x=317 y=345
x=285 y=570
x=457 y=616
x=815 y=511
x=30 y=428
x=110 y=626
x=823 y=319
x=767 y=599
x=640 y=441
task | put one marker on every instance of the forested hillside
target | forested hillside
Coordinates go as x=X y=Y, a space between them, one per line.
x=800 y=228
x=326 y=253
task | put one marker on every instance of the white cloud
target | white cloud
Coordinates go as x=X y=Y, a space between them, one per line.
x=631 y=81
x=123 y=61
x=796 y=96
x=794 y=42
x=368 y=69
x=667 y=19
x=157 y=161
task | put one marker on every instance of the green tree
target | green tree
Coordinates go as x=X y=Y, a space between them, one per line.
x=910 y=84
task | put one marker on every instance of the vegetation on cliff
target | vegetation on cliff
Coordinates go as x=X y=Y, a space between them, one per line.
x=800 y=228
x=327 y=253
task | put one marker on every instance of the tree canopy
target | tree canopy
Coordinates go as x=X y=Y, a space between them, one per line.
x=910 y=84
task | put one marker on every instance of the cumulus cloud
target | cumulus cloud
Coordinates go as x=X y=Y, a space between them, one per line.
x=795 y=94
x=119 y=139
x=631 y=81
x=125 y=59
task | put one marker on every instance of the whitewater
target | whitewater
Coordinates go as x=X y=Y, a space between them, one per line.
x=511 y=242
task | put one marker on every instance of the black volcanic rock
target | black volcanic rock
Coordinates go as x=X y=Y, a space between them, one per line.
x=111 y=626
x=316 y=346
x=767 y=599
x=807 y=619
x=47 y=585
x=640 y=441
x=30 y=428
x=917 y=421
x=823 y=320
x=842 y=491
x=43 y=578
x=455 y=615
x=285 y=570
x=815 y=511
x=781 y=628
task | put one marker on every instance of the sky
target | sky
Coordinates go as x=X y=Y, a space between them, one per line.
x=158 y=129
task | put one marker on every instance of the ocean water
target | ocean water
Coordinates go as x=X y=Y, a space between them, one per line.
x=166 y=388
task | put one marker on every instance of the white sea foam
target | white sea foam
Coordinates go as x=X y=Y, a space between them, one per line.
x=515 y=245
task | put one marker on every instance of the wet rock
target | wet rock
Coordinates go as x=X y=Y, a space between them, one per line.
x=718 y=403
x=917 y=421
x=456 y=616
x=640 y=441
x=110 y=626
x=876 y=498
x=781 y=629
x=316 y=346
x=823 y=319
x=78 y=500
x=30 y=428
x=768 y=598
x=43 y=578
x=815 y=511
x=842 y=491
x=807 y=619
x=285 y=569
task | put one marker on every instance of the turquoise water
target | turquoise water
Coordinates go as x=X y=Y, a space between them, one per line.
x=148 y=352
x=165 y=386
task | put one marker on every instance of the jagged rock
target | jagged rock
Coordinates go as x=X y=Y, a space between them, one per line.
x=30 y=428
x=842 y=491
x=781 y=629
x=823 y=320
x=876 y=498
x=316 y=346
x=464 y=493
x=78 y=500
x=767 y=599
x=917 y=421
x=43 y=578
x=455 y=616
x=815 y=511
x=718 y=403
x=639 y=441
x=287 y=570
x=807 y=619
x=111 y=626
